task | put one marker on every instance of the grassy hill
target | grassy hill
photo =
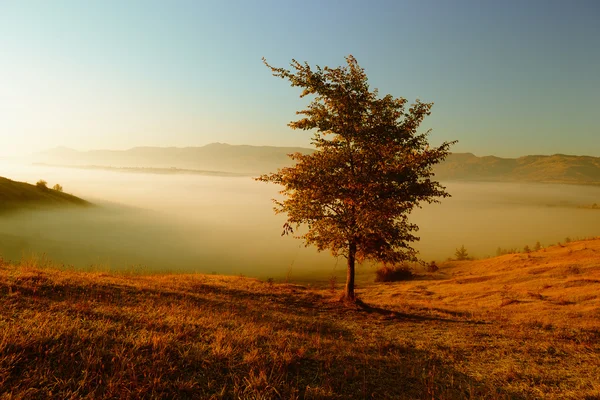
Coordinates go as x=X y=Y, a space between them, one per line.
x=15 y=195
x=513 y=327
x=557 y=168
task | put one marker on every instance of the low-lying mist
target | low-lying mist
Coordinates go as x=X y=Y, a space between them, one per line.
x=186 y=223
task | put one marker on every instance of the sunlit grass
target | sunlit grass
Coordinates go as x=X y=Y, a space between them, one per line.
x=516 y=326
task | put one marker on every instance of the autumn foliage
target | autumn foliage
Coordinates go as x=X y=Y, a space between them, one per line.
x=371 y=167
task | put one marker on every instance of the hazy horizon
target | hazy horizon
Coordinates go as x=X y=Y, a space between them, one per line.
x=194 y=223
x=27 y=155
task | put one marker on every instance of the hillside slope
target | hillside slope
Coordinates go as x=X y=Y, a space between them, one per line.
x=513 y=327
x=15 y=195
x=558 y=168
x=546 y=287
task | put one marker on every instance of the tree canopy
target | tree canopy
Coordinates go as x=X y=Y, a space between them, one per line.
x=371 y=167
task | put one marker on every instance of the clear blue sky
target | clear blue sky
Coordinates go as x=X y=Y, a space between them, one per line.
x=507 y=77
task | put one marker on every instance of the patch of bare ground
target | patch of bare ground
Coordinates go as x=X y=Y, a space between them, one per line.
x=501 y=333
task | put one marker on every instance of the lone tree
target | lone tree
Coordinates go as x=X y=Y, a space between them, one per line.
x=371 y=168
x=461 y=254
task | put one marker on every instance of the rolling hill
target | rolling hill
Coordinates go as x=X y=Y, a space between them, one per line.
x=15 y=195
x=519 y=326
x=557 y=168
x=253 y=160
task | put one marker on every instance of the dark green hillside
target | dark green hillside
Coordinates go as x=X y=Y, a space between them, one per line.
x=15 y=195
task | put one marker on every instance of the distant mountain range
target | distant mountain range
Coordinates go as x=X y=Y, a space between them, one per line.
x=253 y=160
x=213 y=157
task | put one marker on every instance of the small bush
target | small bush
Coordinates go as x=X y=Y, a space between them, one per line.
x=537 y=247
x=501 y=252
x=57 y=187
x=432 y=267
x=393 y=274
x=526 y=249
x=42 y=184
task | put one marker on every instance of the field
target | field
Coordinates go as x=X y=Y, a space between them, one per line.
x=510 y=327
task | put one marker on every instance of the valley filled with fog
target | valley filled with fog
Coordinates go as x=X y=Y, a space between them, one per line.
x=195 y=223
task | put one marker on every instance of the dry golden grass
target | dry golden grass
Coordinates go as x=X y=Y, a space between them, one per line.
x=516 y=326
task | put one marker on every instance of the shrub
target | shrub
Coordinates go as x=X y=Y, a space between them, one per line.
x=432 y=267
x=526 y=249
x=537 y=247
x=42 y=184
x=500 y=251
x=57 y=187
x=393 y=273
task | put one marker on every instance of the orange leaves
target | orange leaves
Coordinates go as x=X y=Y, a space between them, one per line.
x=370 y=168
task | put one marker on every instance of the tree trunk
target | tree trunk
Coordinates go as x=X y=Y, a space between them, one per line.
x=349 y=294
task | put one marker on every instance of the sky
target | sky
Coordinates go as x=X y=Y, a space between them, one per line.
x=508 y=78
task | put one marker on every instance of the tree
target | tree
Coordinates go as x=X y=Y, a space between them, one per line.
x=371 y=168
x=42 y=184
x=461 y=254
x=57 y=187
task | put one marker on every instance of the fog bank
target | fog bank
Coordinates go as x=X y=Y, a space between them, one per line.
x=226 y=224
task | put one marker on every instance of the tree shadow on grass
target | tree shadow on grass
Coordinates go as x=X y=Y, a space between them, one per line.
x=108 y=364
x=312 y=348
x=401 y=316
x=282 y=310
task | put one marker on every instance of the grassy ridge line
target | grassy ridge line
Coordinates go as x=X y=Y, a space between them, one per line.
x=19 y=194
x=557 y=168
x=450 y=335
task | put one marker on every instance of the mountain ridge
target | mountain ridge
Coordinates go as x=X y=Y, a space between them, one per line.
x=214 y=157
x=249 y=159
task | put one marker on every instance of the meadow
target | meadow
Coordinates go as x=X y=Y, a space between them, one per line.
x=518 y=326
